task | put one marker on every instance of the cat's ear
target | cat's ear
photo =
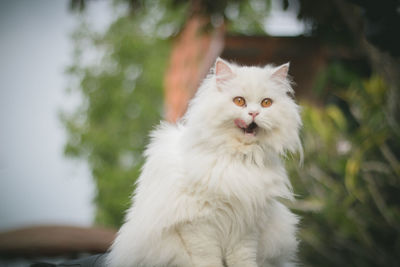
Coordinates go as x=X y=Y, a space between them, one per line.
x=281 y=72
x=223 y=70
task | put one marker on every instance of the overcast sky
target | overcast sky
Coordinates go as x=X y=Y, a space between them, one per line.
x=37 y=184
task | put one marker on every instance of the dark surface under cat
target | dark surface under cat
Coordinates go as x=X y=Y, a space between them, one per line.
x=91 y=261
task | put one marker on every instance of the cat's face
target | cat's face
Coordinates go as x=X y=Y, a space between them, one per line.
x=253 y=105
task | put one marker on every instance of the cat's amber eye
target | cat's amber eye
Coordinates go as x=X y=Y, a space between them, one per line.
x=239 y=101
x=267 y=102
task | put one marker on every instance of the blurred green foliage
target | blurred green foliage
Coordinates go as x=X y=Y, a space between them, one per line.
x=123 y=100
x=348 y=187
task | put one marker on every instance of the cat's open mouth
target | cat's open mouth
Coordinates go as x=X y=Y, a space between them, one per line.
x=251 y=129
x=247 y=129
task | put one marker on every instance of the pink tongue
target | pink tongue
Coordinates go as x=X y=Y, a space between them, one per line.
x=240 y=123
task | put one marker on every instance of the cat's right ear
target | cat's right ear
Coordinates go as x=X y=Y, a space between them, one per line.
x=223 y=71
x=281 y=72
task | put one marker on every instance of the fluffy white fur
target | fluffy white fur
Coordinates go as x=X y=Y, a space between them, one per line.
x=208 y=192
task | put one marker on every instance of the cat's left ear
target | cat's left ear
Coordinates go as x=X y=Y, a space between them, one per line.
x=223 y=70
x=281 y=72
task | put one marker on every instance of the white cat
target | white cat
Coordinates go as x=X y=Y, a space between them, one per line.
x=208 y=192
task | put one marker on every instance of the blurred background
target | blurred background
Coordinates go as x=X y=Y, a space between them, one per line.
x=83 y=82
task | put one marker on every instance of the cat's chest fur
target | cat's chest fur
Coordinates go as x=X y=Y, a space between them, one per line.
x=236 y=185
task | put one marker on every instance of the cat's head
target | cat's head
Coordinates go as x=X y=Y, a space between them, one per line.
x=249 y=105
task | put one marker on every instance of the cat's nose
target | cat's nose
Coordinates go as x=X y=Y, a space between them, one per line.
x=253 y=114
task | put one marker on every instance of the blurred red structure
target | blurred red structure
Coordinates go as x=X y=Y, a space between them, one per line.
x=197 y=47
x=193 y=53
x=54 y=241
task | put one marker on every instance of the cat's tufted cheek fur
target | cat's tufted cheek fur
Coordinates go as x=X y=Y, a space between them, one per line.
x=282 y=123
